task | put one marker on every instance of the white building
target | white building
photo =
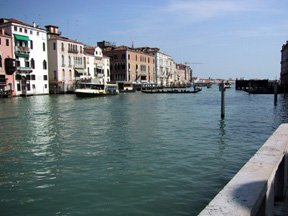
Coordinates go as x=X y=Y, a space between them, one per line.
x=66 y=63
x=30 y=53
x=165 y=66
x=96 y=65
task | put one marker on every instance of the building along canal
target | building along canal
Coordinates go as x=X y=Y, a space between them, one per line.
x=130 y=154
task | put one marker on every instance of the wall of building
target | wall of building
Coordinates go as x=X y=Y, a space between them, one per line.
x=6 y=51
x=35 y=79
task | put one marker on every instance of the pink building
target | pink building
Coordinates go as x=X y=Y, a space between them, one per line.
x=7 y=65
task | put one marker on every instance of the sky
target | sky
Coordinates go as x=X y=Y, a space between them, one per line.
x=216 y=38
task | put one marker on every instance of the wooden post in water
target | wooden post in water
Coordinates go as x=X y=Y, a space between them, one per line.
x=222 y=89
x=275 y=93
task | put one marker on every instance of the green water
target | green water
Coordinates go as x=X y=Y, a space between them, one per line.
x=130 y=154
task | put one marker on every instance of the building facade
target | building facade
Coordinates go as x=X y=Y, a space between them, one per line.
x=30 y=52
x=66 y=63
x=96 y=65
x=130 y=64
x=284 y=65
x=7 y=79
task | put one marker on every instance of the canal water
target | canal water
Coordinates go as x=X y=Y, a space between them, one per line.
x=130 y=154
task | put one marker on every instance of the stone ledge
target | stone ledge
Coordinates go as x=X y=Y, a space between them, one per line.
x=251 y=190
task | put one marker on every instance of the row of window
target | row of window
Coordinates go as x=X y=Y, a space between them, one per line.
x=122 y=66
x=30 y=77
x=31 y=64
x=20 y=43
x=77 y=60
x=142 y=58
x=28 y=86
x=72 y=48
x=24 y=30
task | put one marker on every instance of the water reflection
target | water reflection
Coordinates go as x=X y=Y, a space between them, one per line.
x=222 y=134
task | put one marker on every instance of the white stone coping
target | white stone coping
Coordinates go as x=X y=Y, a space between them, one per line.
x=245 y=193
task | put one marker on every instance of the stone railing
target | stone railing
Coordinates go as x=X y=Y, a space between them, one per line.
x=260 y=182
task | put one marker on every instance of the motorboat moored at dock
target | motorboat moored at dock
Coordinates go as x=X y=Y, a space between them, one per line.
x=87 y=89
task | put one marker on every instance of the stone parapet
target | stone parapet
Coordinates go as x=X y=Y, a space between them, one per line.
x=259 y=183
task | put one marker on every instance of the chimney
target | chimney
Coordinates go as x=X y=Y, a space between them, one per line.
x=3 y=31
x=34 y=24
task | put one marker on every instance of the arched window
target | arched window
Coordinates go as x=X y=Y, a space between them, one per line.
x=63 y=61
x=62 y=46
x=44 y=47
x=44 y=64
x=123 y=56
x=0 y=61
x=69 y=61
x=115 y=56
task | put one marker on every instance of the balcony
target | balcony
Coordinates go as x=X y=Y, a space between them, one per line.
x=78 y=66
x=24 y=69
x=21 y=51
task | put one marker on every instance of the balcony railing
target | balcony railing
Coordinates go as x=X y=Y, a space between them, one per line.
x=79 y=66
x=24 y=69
x=21 y=49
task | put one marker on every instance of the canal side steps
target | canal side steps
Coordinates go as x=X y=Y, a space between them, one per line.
x=260 y=182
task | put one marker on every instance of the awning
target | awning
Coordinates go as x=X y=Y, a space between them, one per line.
x=80 y=71
x=20 y=37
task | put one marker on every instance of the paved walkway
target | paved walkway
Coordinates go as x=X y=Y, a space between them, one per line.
x=281 y=208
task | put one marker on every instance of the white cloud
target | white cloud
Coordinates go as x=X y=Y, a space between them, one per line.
x=193 y=11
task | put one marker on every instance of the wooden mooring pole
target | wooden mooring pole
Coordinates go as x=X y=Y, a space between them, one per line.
x=275 y=92
x=222 y=89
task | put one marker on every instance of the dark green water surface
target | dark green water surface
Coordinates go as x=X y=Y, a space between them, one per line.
x=130 y=154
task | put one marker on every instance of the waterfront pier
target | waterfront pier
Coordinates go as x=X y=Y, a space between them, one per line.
x=260 y=183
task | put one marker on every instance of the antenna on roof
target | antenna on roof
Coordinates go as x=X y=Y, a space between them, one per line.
x=132 y=44
x=39 y=19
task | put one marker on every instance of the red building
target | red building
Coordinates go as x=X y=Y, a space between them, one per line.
x=7 y=65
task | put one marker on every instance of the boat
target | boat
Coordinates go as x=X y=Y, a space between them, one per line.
x=227 y=85
x=126 y=87
x=170 y=91
x=88 y=89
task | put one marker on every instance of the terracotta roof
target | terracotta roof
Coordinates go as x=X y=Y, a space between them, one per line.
x=63 y=38
x=12 y=20
x=85 y=53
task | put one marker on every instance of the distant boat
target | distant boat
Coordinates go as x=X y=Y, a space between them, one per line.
x=88 y=89
x=170 y=91
x=227 y=85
